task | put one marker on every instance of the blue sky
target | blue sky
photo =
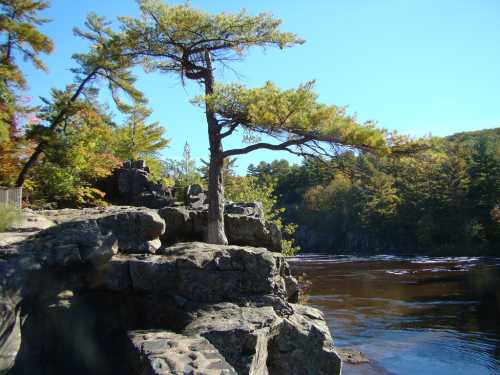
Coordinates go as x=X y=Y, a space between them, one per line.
x=420 y=67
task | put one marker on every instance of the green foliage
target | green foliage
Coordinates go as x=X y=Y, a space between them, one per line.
x=8 y=216
x=76 y=158
x=21 y=38
x=105 y=61
x=442 y=200
x=285 y=113
x=138 y=140
x=182 y=35
x=19 y=24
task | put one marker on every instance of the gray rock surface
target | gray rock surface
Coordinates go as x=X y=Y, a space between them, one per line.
x=303 y=345
x=199 y=272
x=31 y=223
x=132 y=185
x=195 y=197
x=241 y=334
x=168 y=353
x=245 y=228
x=10 y=322
x=256 y=340
x=96 y=297
x=136 y=230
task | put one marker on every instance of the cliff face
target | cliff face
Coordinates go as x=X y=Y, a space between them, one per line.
x=100 y=294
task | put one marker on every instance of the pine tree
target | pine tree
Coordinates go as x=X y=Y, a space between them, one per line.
x=137 y=139
x=19 y=22
x=191 y=43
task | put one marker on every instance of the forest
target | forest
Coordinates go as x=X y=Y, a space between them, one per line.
x=440 y=201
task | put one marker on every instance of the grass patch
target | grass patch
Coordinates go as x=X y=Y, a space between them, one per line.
x=8 y=216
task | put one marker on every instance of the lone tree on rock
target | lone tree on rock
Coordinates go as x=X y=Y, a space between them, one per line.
x=191 y=43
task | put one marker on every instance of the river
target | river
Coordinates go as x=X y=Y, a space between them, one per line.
x=409 y=316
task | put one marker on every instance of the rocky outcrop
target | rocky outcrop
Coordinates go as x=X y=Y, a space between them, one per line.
x=96 y=297
x=244 y=223
x=132 y=185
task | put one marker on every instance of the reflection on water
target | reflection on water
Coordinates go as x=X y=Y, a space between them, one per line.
x=410 y=315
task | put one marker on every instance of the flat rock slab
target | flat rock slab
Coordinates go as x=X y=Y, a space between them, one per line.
x=168 y=353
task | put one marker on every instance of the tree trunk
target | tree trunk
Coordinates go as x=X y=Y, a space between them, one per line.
x=29 y=164
x=215 y=231
x=39 y=150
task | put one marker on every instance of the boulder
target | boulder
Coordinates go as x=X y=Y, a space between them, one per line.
x=125 y=229
x=256 y=340
x=137 y=230
x=132 y=185
x=303 y=345
x=241 y=334
x=247 y=209
x=198 y=272
x=247 y=228
x=195 y=197
x=252 y=231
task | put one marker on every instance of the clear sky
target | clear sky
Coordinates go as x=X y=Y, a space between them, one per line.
x=426 y=66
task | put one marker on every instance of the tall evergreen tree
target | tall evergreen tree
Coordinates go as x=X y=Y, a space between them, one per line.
x=21 y=38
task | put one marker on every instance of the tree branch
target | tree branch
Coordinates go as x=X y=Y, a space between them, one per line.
x=227 y=133
x=268 y=146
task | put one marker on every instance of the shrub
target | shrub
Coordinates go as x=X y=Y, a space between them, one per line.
x=8 y=216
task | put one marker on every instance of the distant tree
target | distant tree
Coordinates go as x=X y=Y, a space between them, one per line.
x=192 y=43
x=184 y=172
x=106 y=62
x=137 y=139
x=19 y=22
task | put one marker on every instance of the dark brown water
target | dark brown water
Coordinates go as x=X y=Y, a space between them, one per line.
x=409 y=316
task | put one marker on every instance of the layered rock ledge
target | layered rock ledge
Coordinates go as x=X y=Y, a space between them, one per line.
x=99 y=293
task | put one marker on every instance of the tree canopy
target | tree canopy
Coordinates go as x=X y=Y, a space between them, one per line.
x=293 y=117
x=177 y=38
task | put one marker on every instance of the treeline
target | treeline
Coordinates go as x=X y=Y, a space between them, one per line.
x=444 y=200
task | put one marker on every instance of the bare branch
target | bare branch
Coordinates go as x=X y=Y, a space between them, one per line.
x=268 y=146
x=231 y=130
